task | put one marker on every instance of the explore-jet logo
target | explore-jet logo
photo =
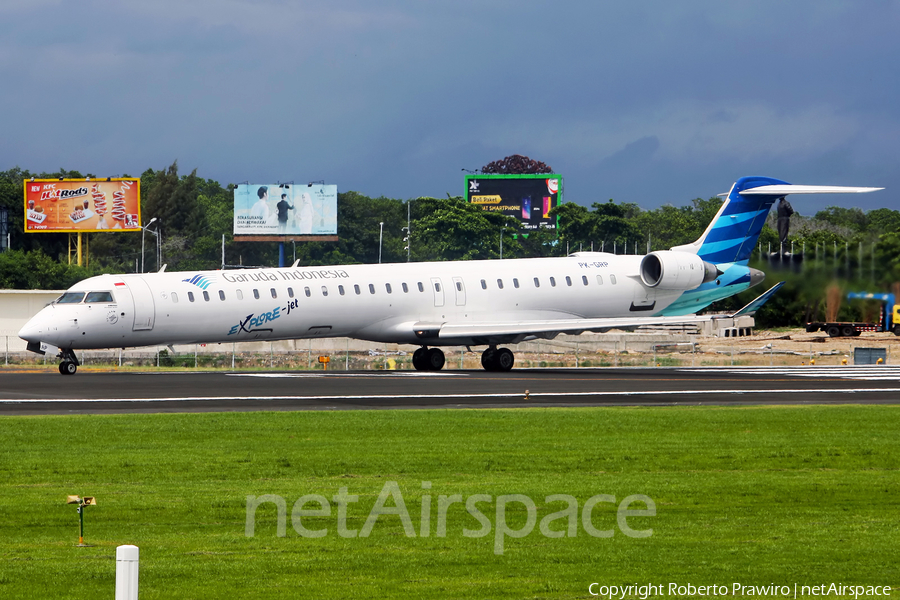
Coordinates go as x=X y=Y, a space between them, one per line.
x=251 y=323
x=311 y=514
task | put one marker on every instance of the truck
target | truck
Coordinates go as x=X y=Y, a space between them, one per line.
x=889 y=318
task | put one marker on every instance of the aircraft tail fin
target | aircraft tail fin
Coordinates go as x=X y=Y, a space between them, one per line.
x=732 y=234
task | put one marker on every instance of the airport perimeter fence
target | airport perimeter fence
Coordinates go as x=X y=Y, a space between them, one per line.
x=565 y=353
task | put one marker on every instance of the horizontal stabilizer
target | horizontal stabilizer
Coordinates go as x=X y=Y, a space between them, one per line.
x=755 y=305
x=783 y=190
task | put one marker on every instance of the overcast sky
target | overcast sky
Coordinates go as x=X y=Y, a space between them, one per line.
x=650 y=102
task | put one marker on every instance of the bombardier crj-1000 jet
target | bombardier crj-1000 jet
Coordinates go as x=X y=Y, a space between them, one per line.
x=429 y=304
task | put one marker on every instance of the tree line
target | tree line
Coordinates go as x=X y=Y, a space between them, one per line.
x=858 y=249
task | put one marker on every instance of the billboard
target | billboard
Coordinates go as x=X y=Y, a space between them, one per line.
x=529 y=198
x=71 y=205
x=285 y=209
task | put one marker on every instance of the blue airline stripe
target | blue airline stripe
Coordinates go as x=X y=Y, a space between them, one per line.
x=739 y=218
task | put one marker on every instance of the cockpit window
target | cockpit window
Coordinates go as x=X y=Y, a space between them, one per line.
x=99 y=297
x=70 y=298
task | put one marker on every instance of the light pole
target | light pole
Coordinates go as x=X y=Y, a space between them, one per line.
x=407 y=229
x=406 y=239
x=501 y=242
x=143 y=229
x=380 y=238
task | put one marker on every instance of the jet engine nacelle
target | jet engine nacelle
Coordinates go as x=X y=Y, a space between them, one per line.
x=668 y=270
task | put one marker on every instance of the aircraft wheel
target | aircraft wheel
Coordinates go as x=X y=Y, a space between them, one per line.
x=434 y=359
x=834 y=331
x=488 y=359
x=504 y=359
x=419 y=359
x=67 y=367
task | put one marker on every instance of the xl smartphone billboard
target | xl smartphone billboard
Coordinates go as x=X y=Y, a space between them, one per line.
x=529 y=198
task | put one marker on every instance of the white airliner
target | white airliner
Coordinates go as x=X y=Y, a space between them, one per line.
x=460 y=303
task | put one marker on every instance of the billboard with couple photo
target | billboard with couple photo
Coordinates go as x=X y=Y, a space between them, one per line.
x=285 y=209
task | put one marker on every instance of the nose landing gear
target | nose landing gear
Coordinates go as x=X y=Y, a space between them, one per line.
x=497 y=359
x=428 y=359
x=69 y=363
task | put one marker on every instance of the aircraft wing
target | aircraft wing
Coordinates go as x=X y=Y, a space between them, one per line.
x=576 y=326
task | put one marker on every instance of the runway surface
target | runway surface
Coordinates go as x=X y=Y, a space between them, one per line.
x=121 y=392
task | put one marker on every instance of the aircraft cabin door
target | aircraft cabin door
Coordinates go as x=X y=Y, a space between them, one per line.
x=144 y=306
x=460 y=291
x=438 y=289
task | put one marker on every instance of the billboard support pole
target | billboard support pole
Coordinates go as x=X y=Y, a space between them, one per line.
x=79 y=248
x=280 y=255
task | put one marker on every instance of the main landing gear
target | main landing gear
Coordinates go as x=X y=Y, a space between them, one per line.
x=428 y=359
x=493 y=359
x=497 y=359
x=69 y=363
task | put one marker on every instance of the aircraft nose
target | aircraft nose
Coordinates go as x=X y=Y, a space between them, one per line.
x=33 y=331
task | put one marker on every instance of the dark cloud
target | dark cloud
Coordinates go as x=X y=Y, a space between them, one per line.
x=644 y=102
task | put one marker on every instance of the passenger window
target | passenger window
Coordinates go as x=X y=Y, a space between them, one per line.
x=341 y=290
x=356 y=289
x=174 y=297
x=500 y=283
x=584 y=279
x=537 y=282
x=256 y=293
x=99 y=297
x=221 y=295
x=371 y=288
x=568 y=281
x=612 y=279
x=191 y=296
x=290 y=292
x=274 y=294
x=553 y=282
x=324 y=291
x=206 y=295
x=307 y=292
x=240 y=294
x=516 y=282
x=483 y=284
x=599 y=279
x=405 y=288
x=75 y=298
x=459 y=286
x=387 y=287
x=437 y=286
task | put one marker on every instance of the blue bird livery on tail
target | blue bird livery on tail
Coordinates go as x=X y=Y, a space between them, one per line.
x=731 y=236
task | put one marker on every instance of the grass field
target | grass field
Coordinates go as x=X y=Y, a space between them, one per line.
x=783 y=495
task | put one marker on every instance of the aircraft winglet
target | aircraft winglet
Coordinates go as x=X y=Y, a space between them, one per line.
x=757 y=303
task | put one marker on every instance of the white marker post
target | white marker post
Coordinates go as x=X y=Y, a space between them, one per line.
x=127 y=572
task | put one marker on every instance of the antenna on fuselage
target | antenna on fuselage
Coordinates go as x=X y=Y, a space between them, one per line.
x=163 y=269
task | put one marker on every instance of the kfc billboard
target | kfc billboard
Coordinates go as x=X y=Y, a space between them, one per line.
x=71 y=205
